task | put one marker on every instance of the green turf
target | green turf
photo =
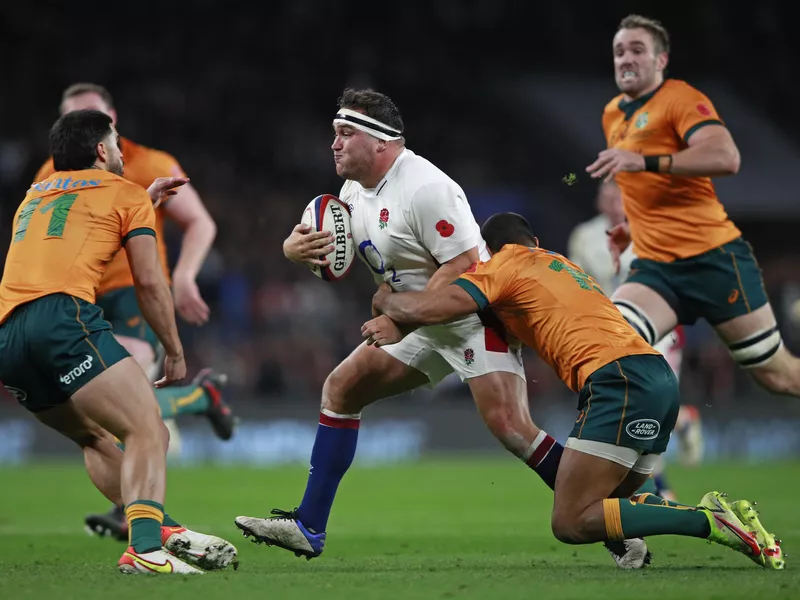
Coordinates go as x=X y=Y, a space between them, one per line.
x=461 y=529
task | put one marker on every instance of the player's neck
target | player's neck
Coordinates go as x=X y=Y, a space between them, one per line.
x=648 y=90
x=382 y=166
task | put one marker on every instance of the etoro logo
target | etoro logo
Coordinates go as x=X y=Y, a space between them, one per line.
x=77 y=371
x=643 y=429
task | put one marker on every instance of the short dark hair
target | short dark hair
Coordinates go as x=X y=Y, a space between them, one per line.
x=74 y=138
x=78 y=89
x=374 y=104
x=652 y=26
x=507 y=228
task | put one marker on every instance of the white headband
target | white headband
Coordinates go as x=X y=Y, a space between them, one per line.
x=367 y=124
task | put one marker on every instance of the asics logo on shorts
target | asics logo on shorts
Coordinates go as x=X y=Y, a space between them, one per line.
x=643 y=429
x=77 y=371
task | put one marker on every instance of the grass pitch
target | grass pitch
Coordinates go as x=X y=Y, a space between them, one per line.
x=448 y=529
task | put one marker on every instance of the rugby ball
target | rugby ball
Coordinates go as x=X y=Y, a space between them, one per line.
x=328 y=213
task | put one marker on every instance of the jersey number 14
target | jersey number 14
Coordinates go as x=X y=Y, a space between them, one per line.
x=58 y=220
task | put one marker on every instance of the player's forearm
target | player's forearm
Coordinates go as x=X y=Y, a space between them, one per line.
x=706 y=160
x=445 y=275
x=155 y=302
x=405 y=309
x=197 y=240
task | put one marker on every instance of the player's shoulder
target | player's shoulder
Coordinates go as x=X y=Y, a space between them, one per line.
x=416 y=173
x=124 y=190
x=678 y=88
x=612 y=107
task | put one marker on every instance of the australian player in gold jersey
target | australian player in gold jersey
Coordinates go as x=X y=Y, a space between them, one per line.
x=665 y=141
x=60 y=359
x=628 y=395
x=117 y=298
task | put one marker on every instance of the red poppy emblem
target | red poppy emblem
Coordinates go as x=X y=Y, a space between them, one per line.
x=445 y=229
x=703 y=110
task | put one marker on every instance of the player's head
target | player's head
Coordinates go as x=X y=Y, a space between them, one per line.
x=609 y=202
x=641 y=53
x=507 y=228
x=367 y=129
x=88 y=96
x=85 y=139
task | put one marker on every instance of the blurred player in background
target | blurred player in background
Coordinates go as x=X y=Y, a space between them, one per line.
x=117 y=297
x=588 y=248
x=665 y=143
x=60 y=359
x=628 y=394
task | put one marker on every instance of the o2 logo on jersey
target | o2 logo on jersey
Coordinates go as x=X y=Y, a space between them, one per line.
x=373 y=258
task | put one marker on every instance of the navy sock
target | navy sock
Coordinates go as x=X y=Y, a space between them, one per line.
x=334 y=449
x=543 y=457
x=662 y=485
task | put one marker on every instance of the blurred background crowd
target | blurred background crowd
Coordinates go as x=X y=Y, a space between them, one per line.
x=505 y=96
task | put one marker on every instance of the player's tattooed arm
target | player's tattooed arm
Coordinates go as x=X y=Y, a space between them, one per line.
x=423 y=308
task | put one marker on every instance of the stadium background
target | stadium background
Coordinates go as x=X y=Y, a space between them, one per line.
x=505 y=96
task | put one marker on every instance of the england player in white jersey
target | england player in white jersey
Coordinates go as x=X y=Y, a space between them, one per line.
x=588 y=248
x=414 y=230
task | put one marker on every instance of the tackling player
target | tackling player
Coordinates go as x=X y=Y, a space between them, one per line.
x=628 y=395
x=414 y=229
x=588 y=248
x=59 y=358
x=665 y=143
x=117 y=298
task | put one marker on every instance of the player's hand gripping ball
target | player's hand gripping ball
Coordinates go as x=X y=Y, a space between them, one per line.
x=328 y=213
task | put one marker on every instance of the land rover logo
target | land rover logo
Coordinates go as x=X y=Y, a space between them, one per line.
x=19 y=395
x=643 y=429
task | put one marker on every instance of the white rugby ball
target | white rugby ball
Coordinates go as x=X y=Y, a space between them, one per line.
x=328 y=213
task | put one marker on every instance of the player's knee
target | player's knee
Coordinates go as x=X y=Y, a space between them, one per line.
x=508 y=427
x=566 y=527
x=768 y=361
x=335 y=394
x=783 y=380
x=639 y=320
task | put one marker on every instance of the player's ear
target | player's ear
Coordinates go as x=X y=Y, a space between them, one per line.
x=536 y=241
x=102 y=152
x=661 y=61
x=381 y=147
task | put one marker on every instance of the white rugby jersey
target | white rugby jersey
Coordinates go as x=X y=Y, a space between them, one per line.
x=414 y=220
x=588 y=248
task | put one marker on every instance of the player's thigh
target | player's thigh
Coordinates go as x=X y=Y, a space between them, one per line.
x=120 y=400
x=367 y=375
x=627 y=408
x=723 y=284
x=644 y=304
x=68 y=420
